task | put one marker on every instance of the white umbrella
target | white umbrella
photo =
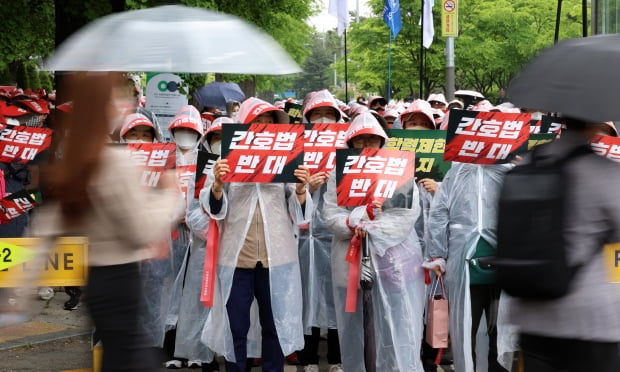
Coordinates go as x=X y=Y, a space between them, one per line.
x=172 y=38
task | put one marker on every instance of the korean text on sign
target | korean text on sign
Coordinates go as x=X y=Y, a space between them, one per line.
x=262 y=152
x=22 y=143
x=606 y=146
x=486 y=137
x=321 y=142
x=371 y=174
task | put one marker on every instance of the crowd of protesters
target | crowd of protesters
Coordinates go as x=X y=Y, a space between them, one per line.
x=281 y=280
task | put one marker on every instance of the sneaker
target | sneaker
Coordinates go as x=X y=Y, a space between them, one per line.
x=72 y=304
x=194 y=364
x=336 y=368
x=311 y=368
x=174 y=364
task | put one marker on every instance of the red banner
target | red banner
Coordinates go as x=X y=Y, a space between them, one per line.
x=606 y=146
x=16 y=205
x=186 y=174
x=366 y=175
x=262 y=152
x=486 y=137
x=154 y=159
x=321 y=142
x=23 y=143
x=210 y=264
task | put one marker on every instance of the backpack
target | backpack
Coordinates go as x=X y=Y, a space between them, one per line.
x=531 y=261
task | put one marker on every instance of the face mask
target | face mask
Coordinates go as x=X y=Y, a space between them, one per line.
x=216 y=147
x=137 y=141
x=324 y=120
x=186 y=140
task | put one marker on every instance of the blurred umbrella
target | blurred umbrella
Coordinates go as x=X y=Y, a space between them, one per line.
x=218 y=93
x=575 y=77
x=172 y=38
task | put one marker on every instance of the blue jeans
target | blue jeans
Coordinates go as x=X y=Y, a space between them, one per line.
x=247 y=284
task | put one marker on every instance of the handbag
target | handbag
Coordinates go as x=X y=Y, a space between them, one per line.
x=481 y=269
x=437 y=316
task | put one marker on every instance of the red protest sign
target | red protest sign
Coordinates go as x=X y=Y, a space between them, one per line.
x=23 y=143
x=154 y=159
x=186 y=174
x=606 y=146
x=204 y=163
x=321 y=142
x=262 y=152
x=17 y=204
x=366 y=175
x=486 y=137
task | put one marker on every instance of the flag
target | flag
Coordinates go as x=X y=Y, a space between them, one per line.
x=429 y=30
x=391 y=16
x=340 y=10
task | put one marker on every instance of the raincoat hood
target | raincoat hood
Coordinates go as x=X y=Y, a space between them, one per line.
x=365 y=123
x=437 y=97
x=372 y=100
x=253 y=107
x=187 y=117
x=420 y=106
x=322 y=98
x=134 y=120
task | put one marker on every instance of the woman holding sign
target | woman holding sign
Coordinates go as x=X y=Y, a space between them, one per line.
x=396 y=256
x=257 y=257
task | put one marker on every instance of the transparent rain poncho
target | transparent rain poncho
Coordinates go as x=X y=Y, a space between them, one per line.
x=463 y=211
x=398 y=291
x=280 y=209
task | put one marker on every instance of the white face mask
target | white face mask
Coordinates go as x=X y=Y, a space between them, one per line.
x=186 y=140
x=324 y=120
x=137 y=141
x=216 y=147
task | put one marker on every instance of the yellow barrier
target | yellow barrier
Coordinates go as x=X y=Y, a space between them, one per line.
x=65 y=265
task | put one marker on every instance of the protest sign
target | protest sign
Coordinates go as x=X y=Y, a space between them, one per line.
x=428 y=145
x=366 y=175
x=486 y=137
x=294 y=112
x=204 y=164
x=22 y=144
x=262 y=152
x=606 y=146
x=154 y=159
x=321 y=142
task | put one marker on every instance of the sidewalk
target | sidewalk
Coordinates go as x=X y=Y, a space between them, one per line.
x=51 y=323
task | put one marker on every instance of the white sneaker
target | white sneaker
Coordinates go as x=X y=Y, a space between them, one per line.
x=311 y=368
x=336 y=368
x=174 y=364
x=194 y=364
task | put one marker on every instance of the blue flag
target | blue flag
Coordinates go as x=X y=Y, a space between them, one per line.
x=391 y=16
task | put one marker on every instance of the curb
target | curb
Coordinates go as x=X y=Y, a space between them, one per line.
x=43 y=338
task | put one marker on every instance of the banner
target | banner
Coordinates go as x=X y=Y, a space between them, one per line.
x=294 y=112
x=321 y=142
x=23 y=144
x=165 y=95
x=449 y=18
x=607 y=147
x=366 y=175
x=204 y=164
x=154 y=159
x=186 y=174
x=486 y=137
x=17 y=204
x=340 y=10
x=539 y=139
x=262 y=152
x=428 y=145
x=551 y=124
x=428 y=30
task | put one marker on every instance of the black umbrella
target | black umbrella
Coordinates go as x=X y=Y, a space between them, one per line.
x=218 y=93
x=367 y=281
x=575 y=77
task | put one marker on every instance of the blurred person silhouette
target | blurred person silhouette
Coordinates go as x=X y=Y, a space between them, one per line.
x=93 y=190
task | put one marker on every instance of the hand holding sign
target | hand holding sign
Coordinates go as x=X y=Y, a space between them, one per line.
x=220 y=169
x=303 y=174
x=316 y=180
